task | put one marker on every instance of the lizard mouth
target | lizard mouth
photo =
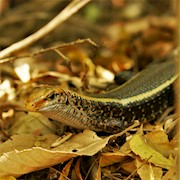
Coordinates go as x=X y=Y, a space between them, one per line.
x=33 y=105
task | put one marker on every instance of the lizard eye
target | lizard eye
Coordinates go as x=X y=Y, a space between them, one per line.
x=51 y=96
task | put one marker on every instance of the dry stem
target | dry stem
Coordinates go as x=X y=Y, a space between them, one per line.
x=53 y=48
x=72 y=8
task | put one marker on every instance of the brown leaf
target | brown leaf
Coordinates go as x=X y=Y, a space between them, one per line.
x=66 y=170
x=129 y=166
x=77 y=169
x=107 y=159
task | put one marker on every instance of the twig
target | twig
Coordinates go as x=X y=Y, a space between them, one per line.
x=65 y=58
x=64 y=176
x=91 y=167
x=138 y=168
x=136 y=123
x=53 y=48
x=165 y=114
x=79 y=41
x=72 y=8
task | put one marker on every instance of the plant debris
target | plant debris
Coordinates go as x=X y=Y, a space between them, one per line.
x=83 y=54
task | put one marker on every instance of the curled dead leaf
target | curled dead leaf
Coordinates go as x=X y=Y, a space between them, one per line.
x=19 y=155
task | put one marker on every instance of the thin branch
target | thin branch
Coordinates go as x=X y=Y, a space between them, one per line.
x=65 y=58
x=138 y=168
x=79 y=41
x=136 y=123
x=53 y=48
x=72 y=8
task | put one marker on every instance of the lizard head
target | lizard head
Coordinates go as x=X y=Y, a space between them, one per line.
x=43 y=98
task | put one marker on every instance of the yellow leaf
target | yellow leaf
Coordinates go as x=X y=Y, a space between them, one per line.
x=159 y=141
x=141 y=147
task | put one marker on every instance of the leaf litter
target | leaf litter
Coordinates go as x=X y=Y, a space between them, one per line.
x=31 y=142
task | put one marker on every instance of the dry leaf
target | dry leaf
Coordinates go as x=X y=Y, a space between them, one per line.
x=129 y=166
x=8 y=178
x=85 y=143
x=171 y=174
x=98 y=175
x=147 y=171
x=94 y=169
x=125 y=148
x=77 y=169
x=107 y=159
x=65 y=170
x=20 y=156
x=141 y=147
x=159 y=141
x=31 y=123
